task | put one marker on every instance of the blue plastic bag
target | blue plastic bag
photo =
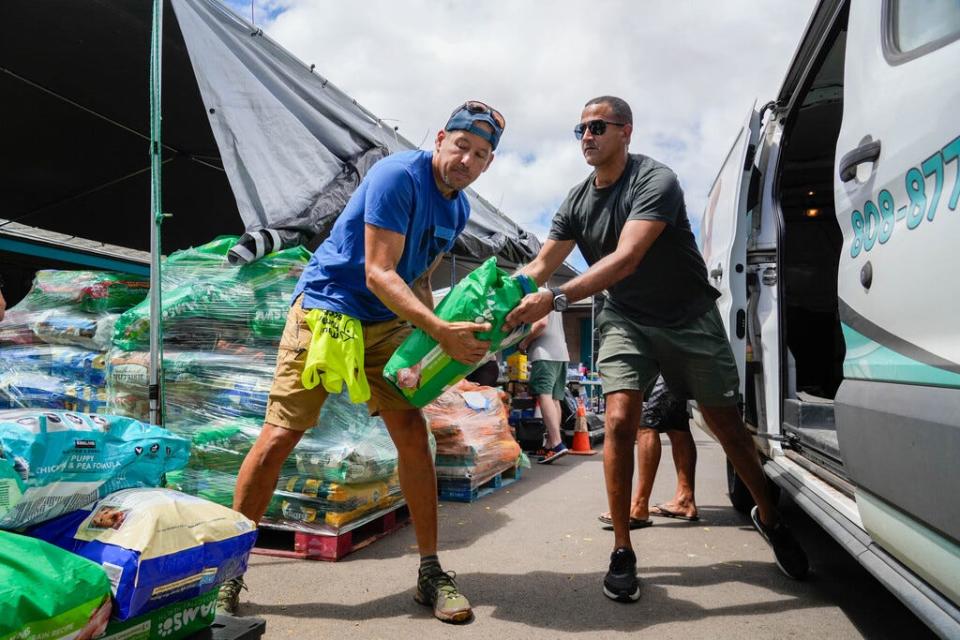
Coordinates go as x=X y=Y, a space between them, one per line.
x=157 y=546
x=55 y=462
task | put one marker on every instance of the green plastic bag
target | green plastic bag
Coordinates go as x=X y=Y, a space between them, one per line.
x=49 y=593
x=172 y=622
x=421 y=371
x=90 y=291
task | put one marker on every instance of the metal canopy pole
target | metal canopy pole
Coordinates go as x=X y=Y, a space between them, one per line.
x=155 y=389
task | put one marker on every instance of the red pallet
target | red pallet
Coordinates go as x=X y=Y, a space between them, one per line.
x=313 y=546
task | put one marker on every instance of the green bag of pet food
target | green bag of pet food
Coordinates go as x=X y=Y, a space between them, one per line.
x=421 y=371
x=48 y=593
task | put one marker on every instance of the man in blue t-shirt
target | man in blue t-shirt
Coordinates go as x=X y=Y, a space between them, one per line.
x=373 y=272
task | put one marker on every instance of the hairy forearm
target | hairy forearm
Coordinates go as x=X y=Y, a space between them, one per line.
x=603 y=274
x=537 y=269
x=409 y=304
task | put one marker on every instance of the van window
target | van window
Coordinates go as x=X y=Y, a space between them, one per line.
x=917 y=23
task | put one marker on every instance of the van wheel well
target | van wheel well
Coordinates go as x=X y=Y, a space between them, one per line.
x=740 y=496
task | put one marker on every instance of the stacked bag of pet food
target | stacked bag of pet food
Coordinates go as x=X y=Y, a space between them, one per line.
x=53 y=343
x=474 y=442
x=222 y=325
x=341 y=475
x=90 y=547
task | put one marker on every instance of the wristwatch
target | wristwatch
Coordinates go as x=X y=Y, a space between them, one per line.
x=559 y=299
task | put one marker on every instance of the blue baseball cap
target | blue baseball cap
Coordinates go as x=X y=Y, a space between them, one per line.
x=465 y=117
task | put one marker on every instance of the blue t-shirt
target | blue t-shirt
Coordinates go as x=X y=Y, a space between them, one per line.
x=398 y=194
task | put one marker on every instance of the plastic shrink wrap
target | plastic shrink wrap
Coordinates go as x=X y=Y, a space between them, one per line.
x=52 y=341
x=341 y=473
x=207 y=302
x=473 y=437
x=222 y=325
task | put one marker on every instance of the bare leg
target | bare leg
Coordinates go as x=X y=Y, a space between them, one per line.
x=261 y=469
x=726 y=425
x=648 y=460
x=551 y=418
x=622 y=418
x=685 y=461
x=418 y=479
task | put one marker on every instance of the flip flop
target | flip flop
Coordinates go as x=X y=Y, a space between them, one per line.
x=635 y=523
x=660 y=510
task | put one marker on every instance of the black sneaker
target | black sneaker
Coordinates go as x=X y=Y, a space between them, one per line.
x=788 y=553
x=621 y=582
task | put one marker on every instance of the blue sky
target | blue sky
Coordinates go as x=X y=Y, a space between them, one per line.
x=690 y=69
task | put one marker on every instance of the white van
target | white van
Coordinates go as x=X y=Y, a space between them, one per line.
x=833 y=233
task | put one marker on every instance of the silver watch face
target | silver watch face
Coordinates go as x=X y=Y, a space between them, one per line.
x=560 y=303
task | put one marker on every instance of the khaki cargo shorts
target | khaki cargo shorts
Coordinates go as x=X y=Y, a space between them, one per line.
x=695 y=359
x=293 y=407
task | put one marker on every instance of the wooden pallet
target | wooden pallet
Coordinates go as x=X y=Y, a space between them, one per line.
x=459 y=490
x=285 y=543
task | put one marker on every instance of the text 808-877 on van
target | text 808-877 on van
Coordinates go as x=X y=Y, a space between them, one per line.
x=876 y=223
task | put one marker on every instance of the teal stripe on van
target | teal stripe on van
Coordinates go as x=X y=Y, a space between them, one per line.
x=869 y=360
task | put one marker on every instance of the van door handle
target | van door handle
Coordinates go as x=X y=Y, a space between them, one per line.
x=717 y=272
x=868 y=152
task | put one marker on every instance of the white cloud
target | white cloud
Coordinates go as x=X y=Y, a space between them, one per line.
x=689 y=70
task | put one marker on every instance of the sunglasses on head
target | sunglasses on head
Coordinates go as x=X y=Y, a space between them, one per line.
x=596 y=127
x=475 y=107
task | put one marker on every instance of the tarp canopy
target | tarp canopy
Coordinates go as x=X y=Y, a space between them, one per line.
x=252 y=137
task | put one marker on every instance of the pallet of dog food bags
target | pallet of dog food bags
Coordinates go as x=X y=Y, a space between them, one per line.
x=222 y=326
x=474 y=442
x=52 y=342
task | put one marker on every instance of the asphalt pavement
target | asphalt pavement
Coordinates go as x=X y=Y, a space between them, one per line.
x=531 y=558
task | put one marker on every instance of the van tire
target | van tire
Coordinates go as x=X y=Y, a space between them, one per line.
x=740 y=496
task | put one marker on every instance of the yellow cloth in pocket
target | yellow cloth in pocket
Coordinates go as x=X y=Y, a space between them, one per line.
x=335 y=356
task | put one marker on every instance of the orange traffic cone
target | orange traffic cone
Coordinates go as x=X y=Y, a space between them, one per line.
x=581 y=437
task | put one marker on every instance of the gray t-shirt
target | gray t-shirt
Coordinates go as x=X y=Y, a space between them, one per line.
x=552 y=343
x=669 y=287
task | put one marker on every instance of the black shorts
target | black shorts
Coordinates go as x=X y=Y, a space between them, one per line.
x=664 y=411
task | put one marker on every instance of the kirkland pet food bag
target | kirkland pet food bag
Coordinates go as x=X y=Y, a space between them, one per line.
x=54 y=462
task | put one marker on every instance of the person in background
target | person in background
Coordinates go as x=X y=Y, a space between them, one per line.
x=663 y=412
x=629 y=220
x=363 y=290
x=546 y=349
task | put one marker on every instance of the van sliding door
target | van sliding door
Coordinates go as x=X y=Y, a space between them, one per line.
x=723 y=237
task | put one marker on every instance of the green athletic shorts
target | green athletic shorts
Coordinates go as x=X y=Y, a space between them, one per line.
x=548 y=377
x=695 y=359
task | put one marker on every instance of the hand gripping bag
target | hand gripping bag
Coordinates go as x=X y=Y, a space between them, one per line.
x=157 y=546
x=421 y=371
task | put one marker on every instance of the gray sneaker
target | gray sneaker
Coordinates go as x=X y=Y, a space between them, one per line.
x=436 y=588
x=228 y=600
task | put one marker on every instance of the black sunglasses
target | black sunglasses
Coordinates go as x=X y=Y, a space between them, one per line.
x=475 y=107
x=596 y=127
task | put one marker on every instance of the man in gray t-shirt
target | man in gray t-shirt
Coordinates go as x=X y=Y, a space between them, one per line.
x=547 y=353
x=629 y=222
